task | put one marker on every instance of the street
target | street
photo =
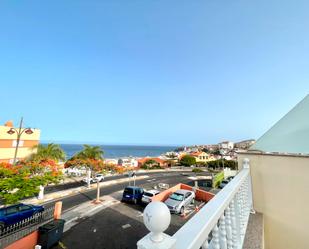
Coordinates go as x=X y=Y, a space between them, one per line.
x=119 y=225
x=171 y=178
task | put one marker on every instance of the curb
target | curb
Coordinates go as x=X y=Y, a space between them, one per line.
x=59 y=195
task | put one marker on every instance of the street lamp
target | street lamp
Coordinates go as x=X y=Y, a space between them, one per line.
x=19 y=132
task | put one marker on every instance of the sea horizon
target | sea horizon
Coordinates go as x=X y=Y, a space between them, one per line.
x=112 y=144
x=118 y=151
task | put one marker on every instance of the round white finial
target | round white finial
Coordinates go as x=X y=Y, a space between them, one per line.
x=157 y=218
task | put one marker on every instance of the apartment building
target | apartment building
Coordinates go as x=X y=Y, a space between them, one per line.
x=8 y=142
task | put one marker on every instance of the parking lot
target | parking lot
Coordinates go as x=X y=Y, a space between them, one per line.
x=120 y=225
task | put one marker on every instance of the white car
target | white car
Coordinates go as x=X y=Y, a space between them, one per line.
x=148 y=195
x=179 y=200
x=98 y=177
x=223 y=183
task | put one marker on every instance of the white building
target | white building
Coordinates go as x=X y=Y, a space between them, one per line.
x=128 y=162
x=226 y=145
x=111 y=161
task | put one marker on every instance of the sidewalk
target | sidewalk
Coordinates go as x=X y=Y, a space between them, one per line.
x=85 y=210
x=69 y=192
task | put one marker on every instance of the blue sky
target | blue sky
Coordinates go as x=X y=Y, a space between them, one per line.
x=152 y=72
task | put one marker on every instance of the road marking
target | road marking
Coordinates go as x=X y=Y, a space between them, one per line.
x=126 y=226
x=62 y=245
x=151 y=180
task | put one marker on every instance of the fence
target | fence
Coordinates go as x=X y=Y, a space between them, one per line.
x=25 y=227
x=220 y=224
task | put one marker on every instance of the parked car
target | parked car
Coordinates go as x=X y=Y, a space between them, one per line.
x=230 y=178
x=146 y=198
x=180 y=199
x=98 y=177
x=16 y=213
x=132 y=194
x=223 y=183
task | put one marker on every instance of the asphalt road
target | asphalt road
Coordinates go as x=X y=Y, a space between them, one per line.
x=119 y=226
x=60 y=187
x=171 y=178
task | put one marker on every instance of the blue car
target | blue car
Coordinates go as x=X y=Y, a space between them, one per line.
x=132 y=194
x=16 y=213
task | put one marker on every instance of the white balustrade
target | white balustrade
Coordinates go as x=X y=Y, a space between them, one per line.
x=220 y=224
x=223 y=240
x=229 y=236
x=215 y=237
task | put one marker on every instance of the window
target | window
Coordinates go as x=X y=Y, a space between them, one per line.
x=21 y=143
x=177 y=197
x=24 y=208
x=12 y=210
x=188 y=194
x=128 y=191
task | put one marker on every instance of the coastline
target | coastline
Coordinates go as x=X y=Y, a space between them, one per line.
x=122 y=151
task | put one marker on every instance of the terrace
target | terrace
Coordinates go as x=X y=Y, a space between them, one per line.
x=225 y=226
x=264 y=206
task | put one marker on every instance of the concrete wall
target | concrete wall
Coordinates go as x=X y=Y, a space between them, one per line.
x=27 y=242
x=281 y=192
x=200 y=194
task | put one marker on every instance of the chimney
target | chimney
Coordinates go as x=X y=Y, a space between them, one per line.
x=9 y=123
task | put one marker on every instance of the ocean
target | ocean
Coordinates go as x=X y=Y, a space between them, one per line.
x=117 y=151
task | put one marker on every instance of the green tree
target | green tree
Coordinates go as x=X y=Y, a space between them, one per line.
x=91 y=157
x=220 y=163
x=187 y=160
x=47 y=152
x=206 y=150
x=24 y=179
x=216 y=152
x=90 y=152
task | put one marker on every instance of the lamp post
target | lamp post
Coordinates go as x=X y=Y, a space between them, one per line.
x=19 y=132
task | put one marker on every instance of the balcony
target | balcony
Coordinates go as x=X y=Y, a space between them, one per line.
x=222 y=223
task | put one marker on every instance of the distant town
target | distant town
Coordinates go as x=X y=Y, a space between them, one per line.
x=199 y=155
x=202 y=154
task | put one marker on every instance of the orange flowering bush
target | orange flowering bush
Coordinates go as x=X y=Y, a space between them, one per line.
x=23 y=180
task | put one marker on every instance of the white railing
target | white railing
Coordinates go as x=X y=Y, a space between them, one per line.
x=220 y=224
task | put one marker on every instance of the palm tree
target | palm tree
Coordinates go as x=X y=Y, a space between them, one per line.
x=49 y=151
x=94 y=153
x=44 y=153
x=90 y=152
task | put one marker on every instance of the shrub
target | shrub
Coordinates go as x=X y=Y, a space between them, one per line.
x=197 y=170
x=150 y=167
x=220 y=163
x=187 y=160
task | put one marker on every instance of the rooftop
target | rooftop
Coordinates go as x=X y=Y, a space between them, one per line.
x=290 y=134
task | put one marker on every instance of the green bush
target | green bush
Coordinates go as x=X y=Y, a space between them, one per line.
x=220 y=163
x=187 y=160
x=197 y=170
x=201 y=164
